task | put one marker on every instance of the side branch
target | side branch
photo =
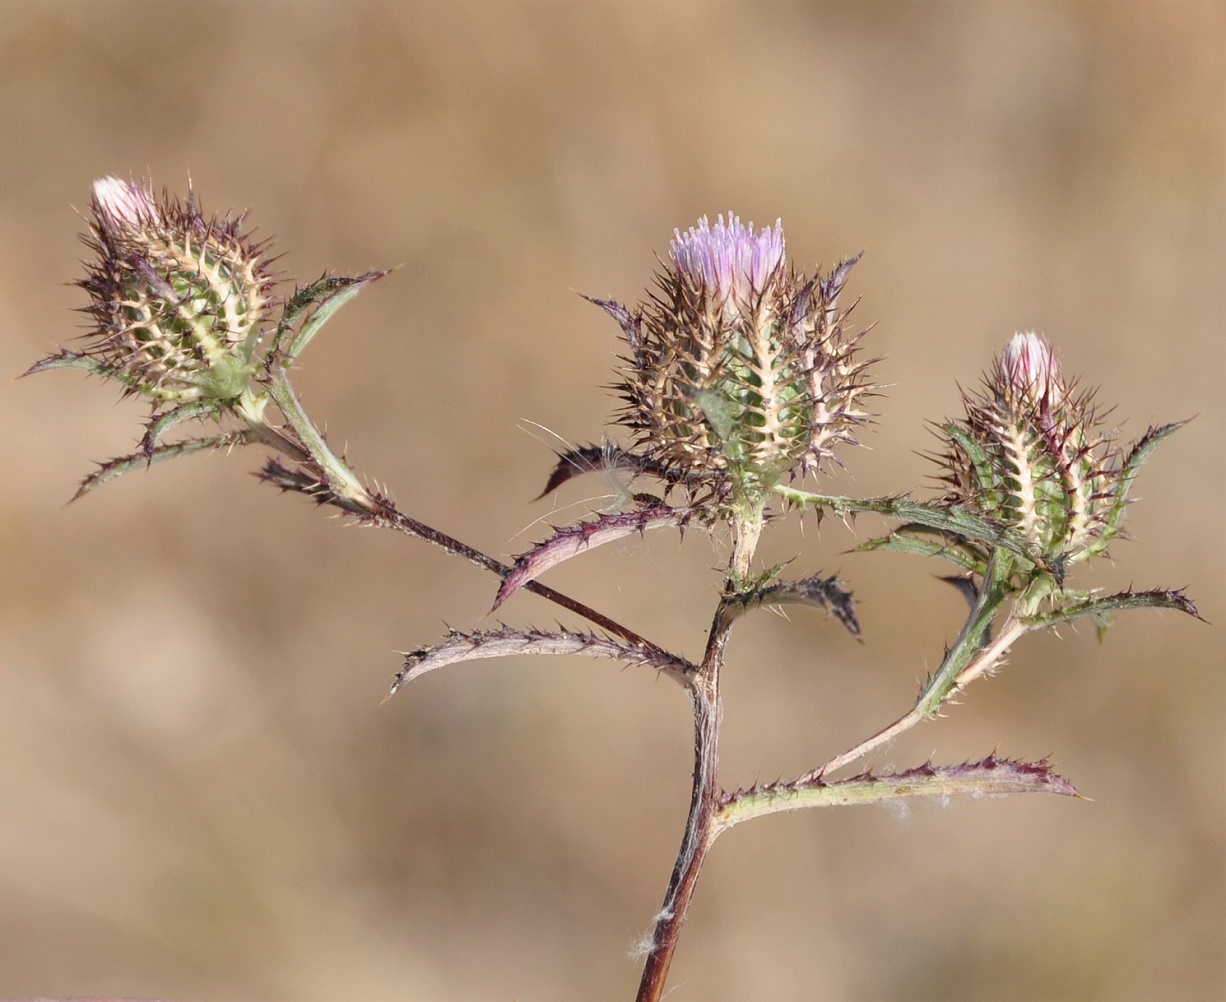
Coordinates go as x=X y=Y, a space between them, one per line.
x=374 y=509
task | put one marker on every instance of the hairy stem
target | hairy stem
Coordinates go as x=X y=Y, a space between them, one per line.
x=695 y=844
x=702 y=825
x=746 y=531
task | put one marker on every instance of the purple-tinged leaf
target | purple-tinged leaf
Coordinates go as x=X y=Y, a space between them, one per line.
x=833 y=283
x=308 y=481
x=507 y=641
x=825 y=593
x=630 y=324
x=571 y=540
x=989 y=777
x=574 y=463
x=593 y=458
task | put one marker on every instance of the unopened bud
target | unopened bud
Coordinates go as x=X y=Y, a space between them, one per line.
x=179 y=300
x=1030 y=453
x=1030 y=368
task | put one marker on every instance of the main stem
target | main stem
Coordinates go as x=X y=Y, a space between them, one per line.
x=700 y=827
x=695 y=844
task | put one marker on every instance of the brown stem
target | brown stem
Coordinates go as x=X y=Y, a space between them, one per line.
x=695 y=844
x=386 y=514
x=380 y=511
x=701 y=826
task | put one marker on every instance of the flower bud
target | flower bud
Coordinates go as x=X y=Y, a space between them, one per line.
x=179 y=300
x=739 y=367
x=1030 y=369
x=1031 y=455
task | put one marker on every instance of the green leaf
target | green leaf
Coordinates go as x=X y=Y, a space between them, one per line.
x=715 y=409
x=951 y=519
x=91 y=365
x=985 y=472
x=1140 y=452
x=114 y=468
x=925 y=542
x=990 y=777
x=170 y=419
x=1102 y=609
x=317 y=303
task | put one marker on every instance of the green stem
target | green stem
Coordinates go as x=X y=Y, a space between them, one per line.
x=340 y=479
x=971 y=655
x=971 y=642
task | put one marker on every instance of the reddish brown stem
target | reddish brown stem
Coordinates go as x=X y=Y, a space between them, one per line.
x=700 y=830
x=695 y=844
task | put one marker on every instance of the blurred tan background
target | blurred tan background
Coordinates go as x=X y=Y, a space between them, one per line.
x=201 y=797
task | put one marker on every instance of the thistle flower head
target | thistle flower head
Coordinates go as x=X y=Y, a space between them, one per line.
x=1031 y=454
x=178 y=300
x=734 y=264
x=739 y=368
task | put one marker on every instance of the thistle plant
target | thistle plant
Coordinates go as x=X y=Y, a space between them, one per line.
x=740 y=377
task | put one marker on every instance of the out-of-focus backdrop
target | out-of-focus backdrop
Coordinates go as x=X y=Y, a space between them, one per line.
x=201 y=797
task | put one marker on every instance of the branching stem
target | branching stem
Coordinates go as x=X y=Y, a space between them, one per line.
x=972 y=655
x=345 y=490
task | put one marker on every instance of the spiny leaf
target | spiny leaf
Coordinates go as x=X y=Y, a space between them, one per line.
x=925 y=542
x=1101 y=609
x=825 y=593
x=953 y=519
x=506 y=641
x=317 y=302
x=630 y=324
x=594 y=458
x=574 y=539
x=1140 y=452
x=989 y=777
x=981 y=462
x=574 y=463
x=162 y=423
x=141 y=460
x=95 y=367
x=71 y=360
